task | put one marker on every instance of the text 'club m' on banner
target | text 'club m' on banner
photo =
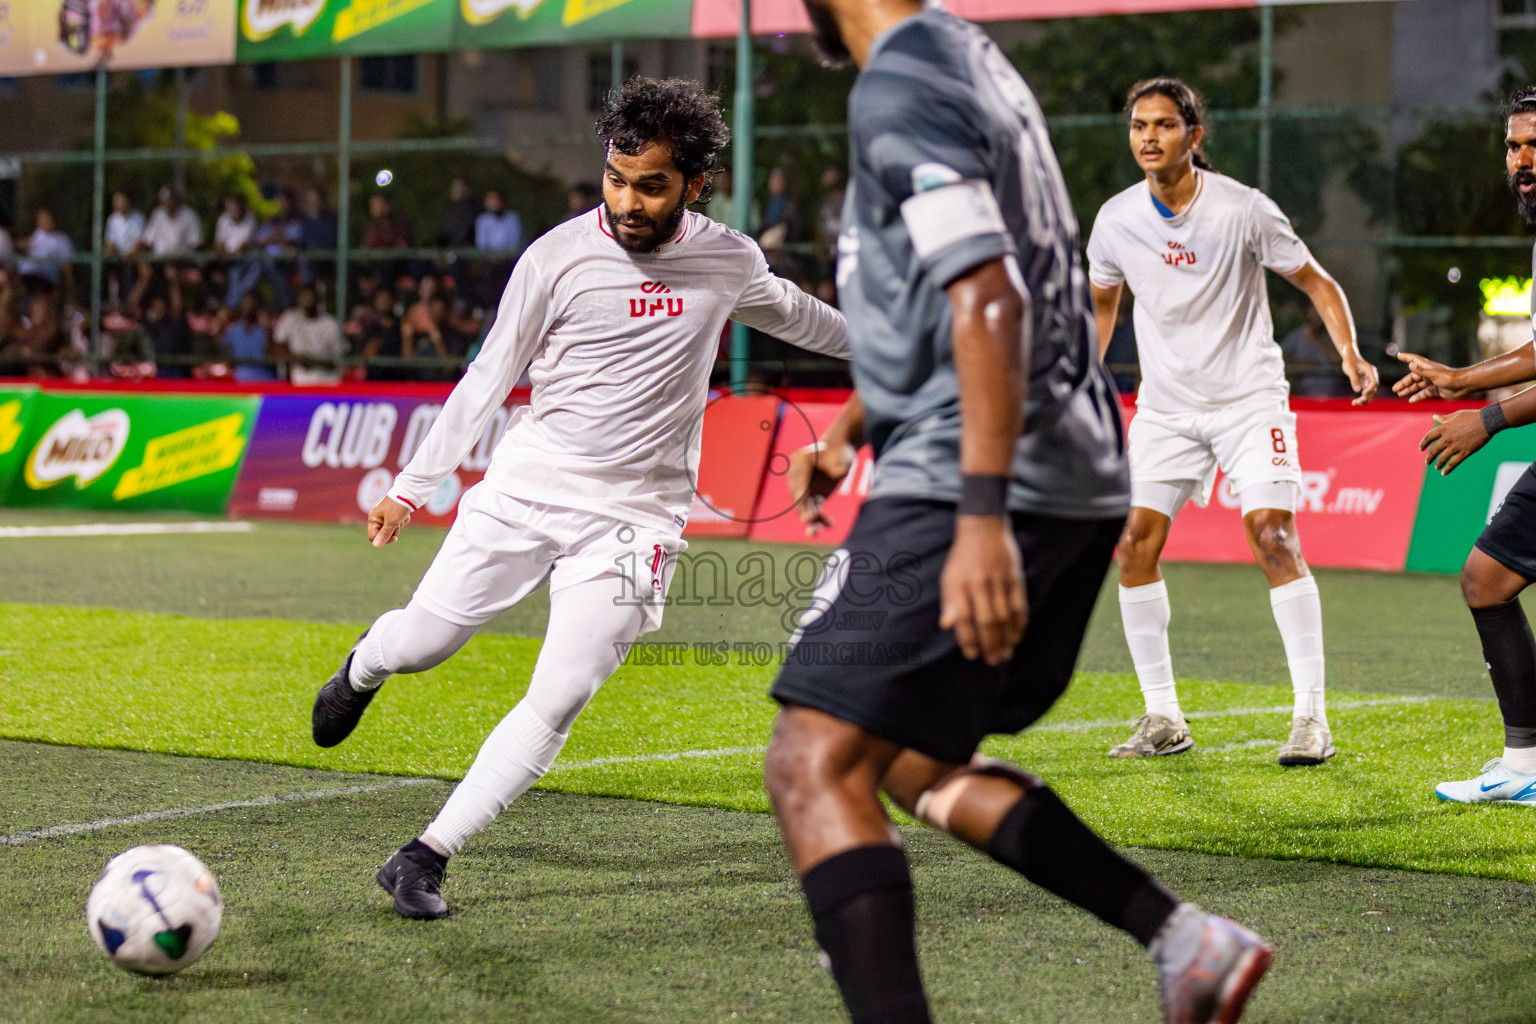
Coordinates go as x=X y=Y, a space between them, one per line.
x=129 y=451
x=51 y=37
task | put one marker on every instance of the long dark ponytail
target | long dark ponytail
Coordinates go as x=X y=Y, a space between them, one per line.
x=1190 y=103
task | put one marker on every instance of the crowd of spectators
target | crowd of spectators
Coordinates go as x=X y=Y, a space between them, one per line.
x=252 y=299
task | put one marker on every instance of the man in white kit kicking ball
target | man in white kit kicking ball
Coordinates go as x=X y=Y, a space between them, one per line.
x=616 y=315
x=1193 y=246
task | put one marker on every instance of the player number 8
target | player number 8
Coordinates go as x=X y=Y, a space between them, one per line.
x=1279 y=438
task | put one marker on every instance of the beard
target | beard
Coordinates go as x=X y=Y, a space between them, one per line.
x=827 y=35
x=664 y=230
x=1525 y=204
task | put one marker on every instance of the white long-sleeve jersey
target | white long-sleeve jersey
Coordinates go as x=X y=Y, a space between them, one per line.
x=619 y=348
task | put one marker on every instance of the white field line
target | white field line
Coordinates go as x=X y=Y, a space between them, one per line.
x=1102 y=723
x=121 y=529
x=306 y=796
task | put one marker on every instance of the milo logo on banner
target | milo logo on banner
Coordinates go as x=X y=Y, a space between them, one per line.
x=77 y=447
x=262 y=18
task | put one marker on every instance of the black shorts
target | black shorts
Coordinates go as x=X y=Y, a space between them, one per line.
x=1510 y=536
x=871 y=652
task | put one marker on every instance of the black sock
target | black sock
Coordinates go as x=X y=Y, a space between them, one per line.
x=1510 y=652
x=418 y=850
x=1044 y=841
x=861 y=902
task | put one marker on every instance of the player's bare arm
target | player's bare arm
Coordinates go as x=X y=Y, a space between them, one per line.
x=817 y=469
x=386 y=521
x=1106 y=309
x=1429 y=379
x=983 y=579
x=1333 y=306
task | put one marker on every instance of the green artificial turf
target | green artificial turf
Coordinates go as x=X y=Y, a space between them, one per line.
x=243 y=689
x=582 y=909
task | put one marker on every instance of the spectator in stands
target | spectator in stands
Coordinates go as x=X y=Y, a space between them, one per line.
x=279 y=236
x=829 y=218
x=38 y=342
x=233 y=235
x=7 y=247
x=581 y=198
x=456 y=227
x=48 y=251
x=722 y=199
x=165 y=328
x=248 y=344
x=317 y=233
x=172 y=230
x=498 y=230
x=311 y=339
x=783 y=210
x=121 y=240
x=378 y=335
x=1312 y=362
x=386 y=229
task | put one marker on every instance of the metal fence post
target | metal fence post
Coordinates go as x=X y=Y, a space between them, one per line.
x=344 y=189
x=742 y=160
x=616 y=67
x=98 y=212
x=1266 y=91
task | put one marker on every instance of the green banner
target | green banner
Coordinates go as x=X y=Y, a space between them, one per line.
x=15 y=408
x=122 y=451
x=295 y=29
x=506 y=23
x=1454 y=509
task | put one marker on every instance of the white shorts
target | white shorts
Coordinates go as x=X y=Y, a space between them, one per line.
x=501 y=548
x=1175 y=457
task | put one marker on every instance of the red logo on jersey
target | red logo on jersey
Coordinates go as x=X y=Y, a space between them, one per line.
x=1179 y=255
x=655 y=307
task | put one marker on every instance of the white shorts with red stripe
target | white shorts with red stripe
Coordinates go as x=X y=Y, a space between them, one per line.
x=501 y=548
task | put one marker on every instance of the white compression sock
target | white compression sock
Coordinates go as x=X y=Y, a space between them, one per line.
x=516 y=754
x=409 y=639
x=1521 y=759
x=1299 y=614
x=1145 y=612
x=587 y=629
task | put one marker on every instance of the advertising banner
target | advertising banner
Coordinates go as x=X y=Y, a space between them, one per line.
x=125 y=451
x=1455 y=508
x=51 y=37
x=15 y=407
x=1361 y=477
x=506 y=23
x=738 y=438
x=334 y=457
x=775 y=517
x=295 y=29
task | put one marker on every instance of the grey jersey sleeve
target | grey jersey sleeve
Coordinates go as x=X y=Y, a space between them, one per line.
x=935 y=168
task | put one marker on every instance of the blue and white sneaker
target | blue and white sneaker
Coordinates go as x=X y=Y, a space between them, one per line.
x=1498 y=783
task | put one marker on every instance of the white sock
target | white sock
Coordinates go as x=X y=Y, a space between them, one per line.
x=516 y=754
x=1145 y=612
x=369 y=669
x=1521 y=759
x=1299 y=614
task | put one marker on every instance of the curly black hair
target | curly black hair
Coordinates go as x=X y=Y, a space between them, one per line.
x=1521 y=101
x=678 y=113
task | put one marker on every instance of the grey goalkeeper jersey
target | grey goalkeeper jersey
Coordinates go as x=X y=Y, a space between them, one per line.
x=952 y=168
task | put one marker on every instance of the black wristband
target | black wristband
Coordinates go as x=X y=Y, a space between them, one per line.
x=1494 y=419
x=983 y=495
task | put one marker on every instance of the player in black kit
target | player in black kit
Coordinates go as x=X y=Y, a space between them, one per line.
x=1000 y=487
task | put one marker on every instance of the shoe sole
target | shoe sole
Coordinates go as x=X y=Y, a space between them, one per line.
x=388 y=885
x=1500 y=800
x=1241 y=982
x=1293 y=760
x=1188 y=743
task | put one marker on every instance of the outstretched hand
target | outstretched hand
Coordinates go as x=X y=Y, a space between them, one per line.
x=386 y=521
x=1426 y=379
x=1363 y=378
x=1453 y=439
x=814 y=473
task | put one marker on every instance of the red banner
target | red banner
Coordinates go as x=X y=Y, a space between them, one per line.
x=733 y=459
x=775 y=517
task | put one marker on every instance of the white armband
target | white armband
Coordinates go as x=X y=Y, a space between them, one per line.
x=940 y=217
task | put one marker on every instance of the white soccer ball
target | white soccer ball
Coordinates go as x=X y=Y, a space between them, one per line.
x=154 y=910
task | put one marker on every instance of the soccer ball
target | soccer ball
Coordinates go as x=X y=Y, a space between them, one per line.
x=154 y=910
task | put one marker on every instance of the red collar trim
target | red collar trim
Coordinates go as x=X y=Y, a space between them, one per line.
x=602 y=223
